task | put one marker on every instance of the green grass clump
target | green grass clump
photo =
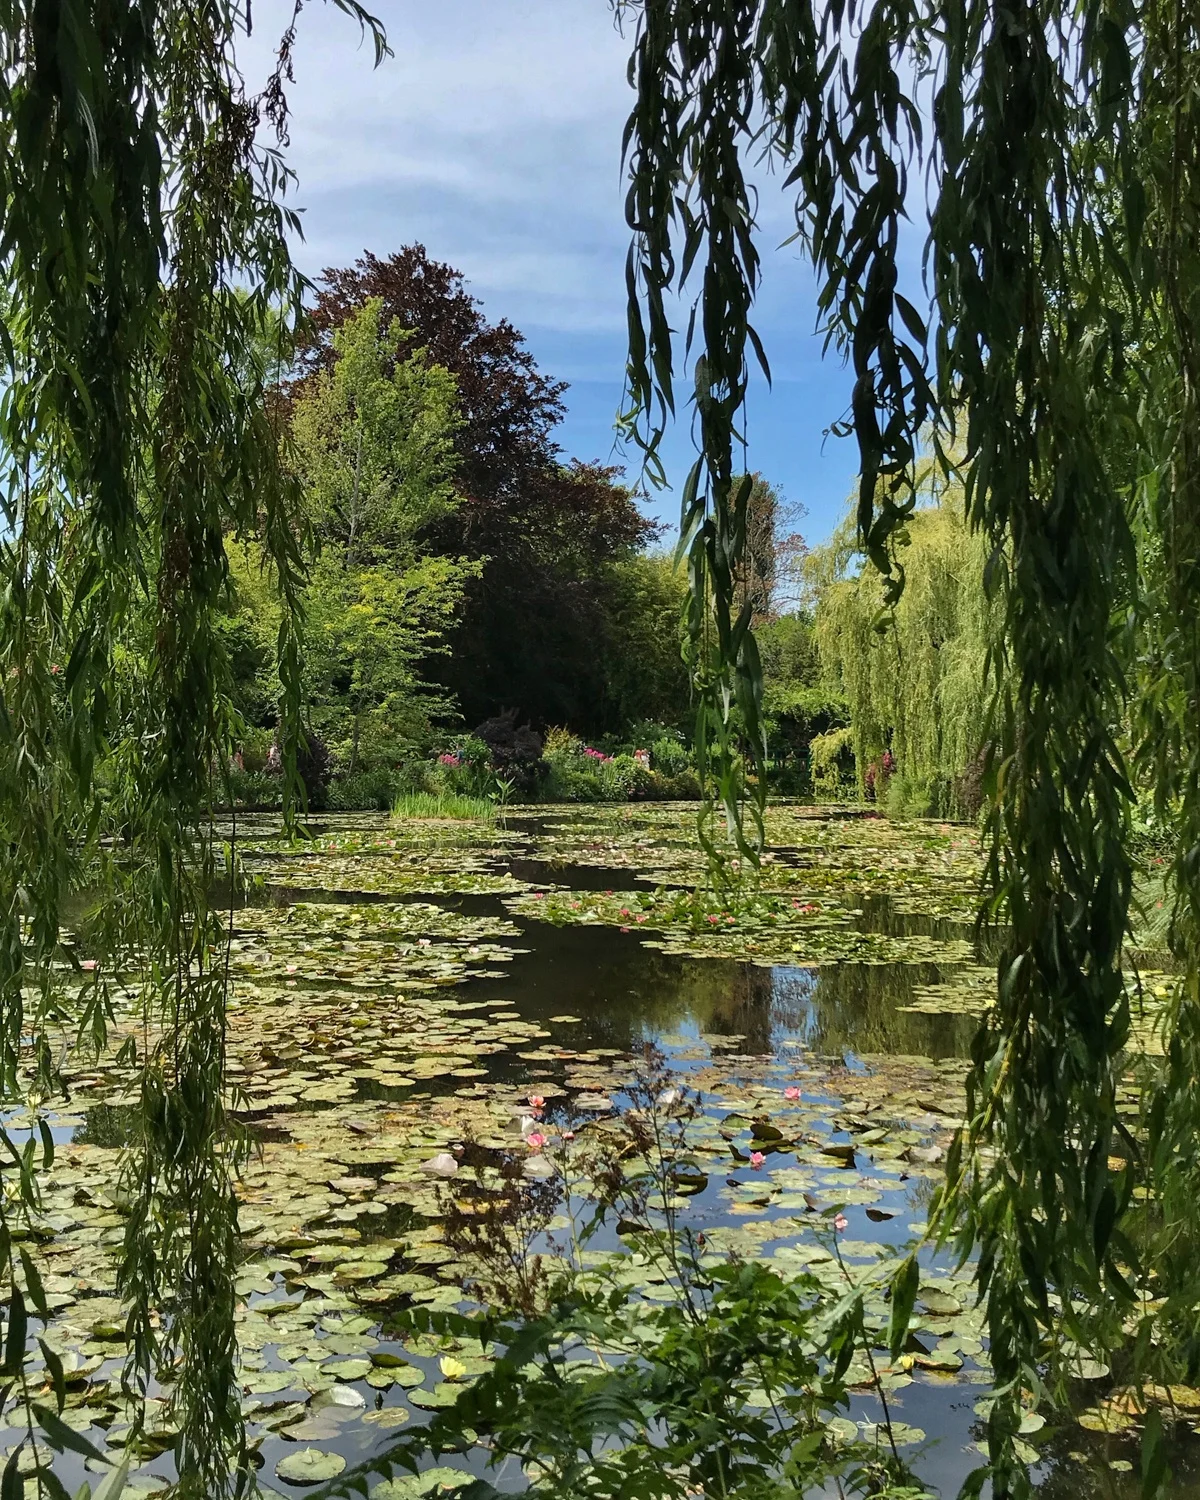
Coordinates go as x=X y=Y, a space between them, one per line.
x=441 y=805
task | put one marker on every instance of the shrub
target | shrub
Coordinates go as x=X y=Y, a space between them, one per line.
x=670 y=756
x=364 y=791
x=255 y=791
x=515 y=751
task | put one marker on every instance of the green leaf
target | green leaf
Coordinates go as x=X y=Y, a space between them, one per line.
x=904 y=1285
x=61 y=1437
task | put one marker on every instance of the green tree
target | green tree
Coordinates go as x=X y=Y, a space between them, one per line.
x=1059 y=146
x=374 y=439
x=645 y=678
x=799 y=700
x=913 y=679
x=545 y=530
x=370 y=633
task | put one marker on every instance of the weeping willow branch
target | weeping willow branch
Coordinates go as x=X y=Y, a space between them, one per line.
x=146 y=264
x=1061 y=226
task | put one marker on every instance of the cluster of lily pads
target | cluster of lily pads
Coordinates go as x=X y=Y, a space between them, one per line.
x=387 y=1092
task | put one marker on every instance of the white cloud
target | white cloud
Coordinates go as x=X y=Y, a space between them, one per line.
x=493 y=134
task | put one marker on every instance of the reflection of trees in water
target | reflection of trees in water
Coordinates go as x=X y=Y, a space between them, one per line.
x=1066 y=1479
x=622 y=991
x=855 y=1007
x=109 y=1125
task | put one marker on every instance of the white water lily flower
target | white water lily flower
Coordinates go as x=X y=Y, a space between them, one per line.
x=441 y=1165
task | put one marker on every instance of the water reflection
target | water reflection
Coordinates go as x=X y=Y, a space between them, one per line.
x=625 y=993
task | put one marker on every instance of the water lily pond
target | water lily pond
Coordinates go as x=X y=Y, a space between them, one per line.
x=413 y=1003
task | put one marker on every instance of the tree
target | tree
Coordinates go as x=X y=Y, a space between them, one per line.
x=145 y=249
x=544 y=532
x=374 y=437
x=800 y=702
x=369 y=632
x=509 y=410
x=768 y=573
x=914 y=682
x=375 y=440
x=645 y=678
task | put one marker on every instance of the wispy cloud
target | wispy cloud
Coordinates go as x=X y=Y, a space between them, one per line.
x=493 y=135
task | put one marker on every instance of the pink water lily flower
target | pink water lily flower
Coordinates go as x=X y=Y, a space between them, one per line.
x=568 y=1135
x=535 y=1140
x=841 y=1223
x=757 y=1159
x=791 y=1092
x=536 y=1101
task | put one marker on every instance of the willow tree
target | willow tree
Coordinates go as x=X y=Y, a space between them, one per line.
x=144 y=267
x=913 y=677
x=1049 y=156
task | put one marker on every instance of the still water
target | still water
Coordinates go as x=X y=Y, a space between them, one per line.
x=401 y=991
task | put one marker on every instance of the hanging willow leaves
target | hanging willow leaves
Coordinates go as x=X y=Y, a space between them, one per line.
x=144 y=266
x=1063 y=203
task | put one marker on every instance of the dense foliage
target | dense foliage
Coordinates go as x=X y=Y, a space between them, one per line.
x=144 y=263
x=1057 y=150
x=461 y=570
x=913 y=678
x=543 y=624
x=148 y=297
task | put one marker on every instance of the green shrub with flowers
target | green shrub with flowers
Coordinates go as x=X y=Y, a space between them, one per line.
x=579 y=772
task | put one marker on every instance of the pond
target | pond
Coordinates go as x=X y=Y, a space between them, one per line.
x=401 y=991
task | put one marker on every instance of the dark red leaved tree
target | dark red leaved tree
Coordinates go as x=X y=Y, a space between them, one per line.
x=535 y=623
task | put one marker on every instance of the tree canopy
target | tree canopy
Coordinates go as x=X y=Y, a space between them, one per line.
x=535 y=630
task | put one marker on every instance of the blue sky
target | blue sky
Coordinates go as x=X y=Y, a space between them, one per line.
x=493 y=136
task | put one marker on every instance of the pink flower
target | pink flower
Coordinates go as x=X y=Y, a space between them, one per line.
x=536 y=1101
x=792 y=1092
x=757 y=1159
x=841 y=1223
x=539 y=895
x=640 y=919
x=568 y=1135
x=291 y=968
x=88 y=963
x=712 y=919
x=449 y=760
x=535 y=1140
x=624 y=911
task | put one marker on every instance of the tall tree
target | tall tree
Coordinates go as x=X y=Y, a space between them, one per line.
x=374 y=437
x=509 y=409
x=543 y=531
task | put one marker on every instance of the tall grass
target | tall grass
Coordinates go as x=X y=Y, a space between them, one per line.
x=441 y=805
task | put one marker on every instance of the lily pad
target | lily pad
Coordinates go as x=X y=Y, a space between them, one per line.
x=310 y=1466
